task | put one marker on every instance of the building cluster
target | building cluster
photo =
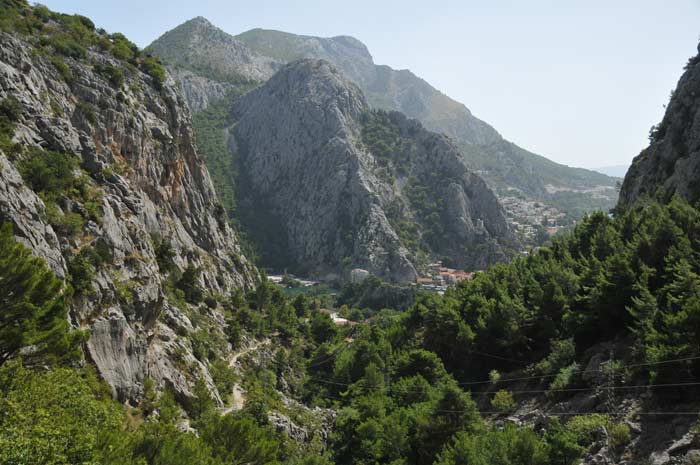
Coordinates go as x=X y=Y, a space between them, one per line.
x=525 y=215
x=438 y=277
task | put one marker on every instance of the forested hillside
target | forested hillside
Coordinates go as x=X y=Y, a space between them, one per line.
x=119 y=345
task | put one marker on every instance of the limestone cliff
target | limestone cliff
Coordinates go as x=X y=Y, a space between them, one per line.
x=337 y=186
x=671 y=163
x=140 y=206
x=208 y=63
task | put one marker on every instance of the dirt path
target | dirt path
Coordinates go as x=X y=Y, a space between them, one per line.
x=238 y=394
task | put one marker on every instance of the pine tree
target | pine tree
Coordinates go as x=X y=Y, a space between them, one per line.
x=32 y=307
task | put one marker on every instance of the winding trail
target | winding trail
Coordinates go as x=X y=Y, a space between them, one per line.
x=238 y=394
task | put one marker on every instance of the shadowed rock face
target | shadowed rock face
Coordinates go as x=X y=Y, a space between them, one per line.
x=299 y=144
x=134 y=145
x=671 y=163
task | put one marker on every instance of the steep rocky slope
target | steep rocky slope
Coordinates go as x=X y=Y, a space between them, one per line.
x=99 y=175
x=509 y=169
x=336 y=186
x=671 y=163
x=207 y=62
x=503 y=164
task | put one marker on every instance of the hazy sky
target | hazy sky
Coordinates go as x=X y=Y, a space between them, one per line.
x=579 y=82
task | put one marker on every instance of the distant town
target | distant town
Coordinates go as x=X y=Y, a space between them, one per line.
x=532 y=221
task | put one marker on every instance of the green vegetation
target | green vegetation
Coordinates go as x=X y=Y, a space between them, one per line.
x=60 y=36
x=384 y=140
x=633 y=274
x=34 y=309
x=10 y=113
x=503 y=402
x=189 y=285
x=210 y=131
x=374 y=294
x=418 y=222
x=396 y=383
x=55 y=176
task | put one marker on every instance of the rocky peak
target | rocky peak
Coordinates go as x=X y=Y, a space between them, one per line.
x=671 y=163
x=200 y=46
x=335 y=201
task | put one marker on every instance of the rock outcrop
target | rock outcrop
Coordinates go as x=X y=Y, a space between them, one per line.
x=207 y=62
x=308 y=178
x=671 y=163
x=149 y=197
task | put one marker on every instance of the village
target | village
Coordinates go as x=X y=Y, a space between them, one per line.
x=530 y=219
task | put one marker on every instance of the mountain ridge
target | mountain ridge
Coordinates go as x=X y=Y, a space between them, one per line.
x=508 y=169
x=304 y=152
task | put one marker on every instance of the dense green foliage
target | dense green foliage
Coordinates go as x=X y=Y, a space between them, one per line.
x=375 y=295
x=636 y=273
x=10 y=113
x=54 y=176
x=33 y=307
x=62 y=36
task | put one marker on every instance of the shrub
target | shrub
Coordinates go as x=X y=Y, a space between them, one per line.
x=10 y=113
x=11 y=109
x=503 y=401
x=586 y=427
x=64 y=44
x=619 y=434
x=152 y=67
x=58 y=416
x=48 y=173
x=114 y=75
x=81 y=271
x=565 y=377
x=189 y=285
x=63 y=70
x=223 y=376
x=164 y=255
x=563 y=444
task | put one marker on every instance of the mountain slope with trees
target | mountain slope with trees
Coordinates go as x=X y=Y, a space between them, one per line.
x=100 y=177
x=326 y=185
x=586 y=351
x=509 y=169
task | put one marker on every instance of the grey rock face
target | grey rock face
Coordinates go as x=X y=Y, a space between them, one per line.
x=671 y=163
x=505 y=166
x=208 y=62
x=137 y=152
x=385 y=87
x=299 y=144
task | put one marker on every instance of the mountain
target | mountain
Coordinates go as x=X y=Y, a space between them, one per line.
x=671 y=163
x=510 y=170
x=615 y=171
x=100 y=177
x=207 y=62
x=329 y=185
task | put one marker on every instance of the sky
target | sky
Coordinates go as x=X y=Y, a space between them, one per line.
x=580 y=82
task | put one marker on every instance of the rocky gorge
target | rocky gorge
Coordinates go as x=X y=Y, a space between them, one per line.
x=146 y=202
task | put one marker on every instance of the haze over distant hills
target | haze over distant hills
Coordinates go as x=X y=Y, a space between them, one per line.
x=615 y=171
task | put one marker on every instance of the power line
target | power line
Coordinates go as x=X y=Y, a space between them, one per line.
x=552 y=375
x=569 y=413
